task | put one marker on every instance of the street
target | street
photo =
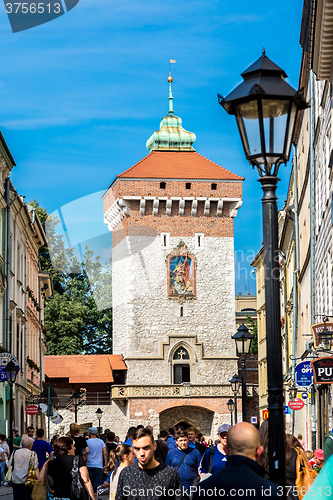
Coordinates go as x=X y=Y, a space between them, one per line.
x=6 y=493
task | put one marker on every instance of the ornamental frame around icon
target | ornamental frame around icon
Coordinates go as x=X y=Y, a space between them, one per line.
x=180 y=259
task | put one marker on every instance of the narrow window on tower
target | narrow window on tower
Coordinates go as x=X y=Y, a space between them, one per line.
x=188 y=185
x=165 y=240
x=214 y=187
x=181 y=311
x=162 y=185
x=199 y=240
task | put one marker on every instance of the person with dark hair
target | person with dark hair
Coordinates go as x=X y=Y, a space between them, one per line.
x=110 y=444
x=41 y=447
x=161 y=449
x=129 y=436
x=171 y=442
x=60 y=470
x=30 y=431
x=148 y=478
x=185 y=459
x=80 y=442
x=192 y=441
x=242 y=476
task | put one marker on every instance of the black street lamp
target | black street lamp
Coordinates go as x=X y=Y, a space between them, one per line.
x=292 y=392
x=235 y=385
x=11 y=371
x=265 y=107
x=76 y=398
x=243 y=340
x=99 y=414
x=231 y=405
x=325 y=337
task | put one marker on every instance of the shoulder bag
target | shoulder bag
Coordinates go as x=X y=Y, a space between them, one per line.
x=78 y=490
x=9 y=472
x=31 y=475
x=305 y=475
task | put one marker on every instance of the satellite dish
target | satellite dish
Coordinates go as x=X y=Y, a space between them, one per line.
x=57 y=420
x=43 y=407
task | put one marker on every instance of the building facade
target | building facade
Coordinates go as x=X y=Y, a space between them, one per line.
x=171 y=217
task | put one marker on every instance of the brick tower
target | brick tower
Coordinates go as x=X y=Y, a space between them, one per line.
x=171 y=215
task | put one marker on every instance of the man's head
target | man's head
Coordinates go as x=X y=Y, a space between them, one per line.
x=144 y=447
x=30 y=431
x=40 y=433
x=172 y=431
x=191 y=434
x=243 y=439
x=15 y=431
x=74 y=429
x=110 y=436
x=223 y=434
x=92 y=432
x=182 y=440
x=163 y=435
x=130 y=433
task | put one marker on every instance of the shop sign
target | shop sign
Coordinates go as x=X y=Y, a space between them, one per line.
x=286 y=410
x=32 y=410
x=264 y=414
x=304 y=374
x=323 y=370
x=305 y=395
x=297 y=404
x=5 y=357
x=316 y=329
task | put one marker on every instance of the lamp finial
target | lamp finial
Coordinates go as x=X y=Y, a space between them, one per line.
x=263 y=51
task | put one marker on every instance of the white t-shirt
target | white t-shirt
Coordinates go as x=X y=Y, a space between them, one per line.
x=95 y=455
x=21 y=464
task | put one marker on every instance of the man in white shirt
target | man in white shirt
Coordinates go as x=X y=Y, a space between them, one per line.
x=96 y=455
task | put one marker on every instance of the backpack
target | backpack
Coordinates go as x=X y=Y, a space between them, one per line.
x=78 y=491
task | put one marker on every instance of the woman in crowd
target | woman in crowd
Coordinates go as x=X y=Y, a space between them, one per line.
x=59 y=469
x=125 y=456
x=20 y=461
x=80 y=442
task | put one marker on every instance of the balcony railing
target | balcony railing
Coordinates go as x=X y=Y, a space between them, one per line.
x=120 y=392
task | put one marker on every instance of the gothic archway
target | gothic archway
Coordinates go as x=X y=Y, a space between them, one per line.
x=199 y=417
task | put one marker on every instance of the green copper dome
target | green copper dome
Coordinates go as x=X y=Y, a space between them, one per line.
x=171 y=135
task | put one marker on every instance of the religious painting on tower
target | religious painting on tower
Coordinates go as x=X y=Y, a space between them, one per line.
x=181 y=271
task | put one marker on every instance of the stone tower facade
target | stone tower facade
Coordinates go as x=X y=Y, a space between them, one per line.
x=171 y=216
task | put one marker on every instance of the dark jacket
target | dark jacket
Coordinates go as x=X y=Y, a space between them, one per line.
x=241 y=478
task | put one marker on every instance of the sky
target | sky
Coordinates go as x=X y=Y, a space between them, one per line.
x=81 y=95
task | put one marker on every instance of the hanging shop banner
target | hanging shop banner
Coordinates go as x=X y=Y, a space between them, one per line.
x=304 y=374
x=323 y=370
x=317 y=329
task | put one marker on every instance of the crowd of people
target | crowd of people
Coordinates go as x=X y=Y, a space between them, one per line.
x=178 y=464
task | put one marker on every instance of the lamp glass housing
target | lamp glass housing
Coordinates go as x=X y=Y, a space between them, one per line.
x=230 y=405
x=292 y=392
x=11 y=371
x=325 y=338
x=99 y=412
x=235 y=384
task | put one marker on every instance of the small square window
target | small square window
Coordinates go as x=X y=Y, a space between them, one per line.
x=162 y=185
x=188 y=185
x=214 y=187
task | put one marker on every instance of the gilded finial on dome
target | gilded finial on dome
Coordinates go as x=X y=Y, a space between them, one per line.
x=170 y=80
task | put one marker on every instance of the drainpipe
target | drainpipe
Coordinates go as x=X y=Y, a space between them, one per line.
x=312 y=264
x=8 y=255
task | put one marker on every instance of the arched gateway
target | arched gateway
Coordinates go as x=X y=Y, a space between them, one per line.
x=201 y=418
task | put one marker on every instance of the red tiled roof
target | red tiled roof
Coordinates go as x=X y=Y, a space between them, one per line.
x=92 y=368
x=178 y=165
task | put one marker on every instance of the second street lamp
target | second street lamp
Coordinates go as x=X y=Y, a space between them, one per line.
x=266 y=107
x=231 y=405
x=235 y=385
x=243 y=340
x=76 y=401
x=99 y=414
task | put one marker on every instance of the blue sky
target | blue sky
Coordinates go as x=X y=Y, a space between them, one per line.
x=81 y=95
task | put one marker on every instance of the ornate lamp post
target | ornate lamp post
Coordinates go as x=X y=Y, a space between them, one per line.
x=11 y=371
x=265 y=107
x=231 y=405
x=76 y=401
x=99 y=414
x=292 y=392
x=243 y=340
x=235 y=385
